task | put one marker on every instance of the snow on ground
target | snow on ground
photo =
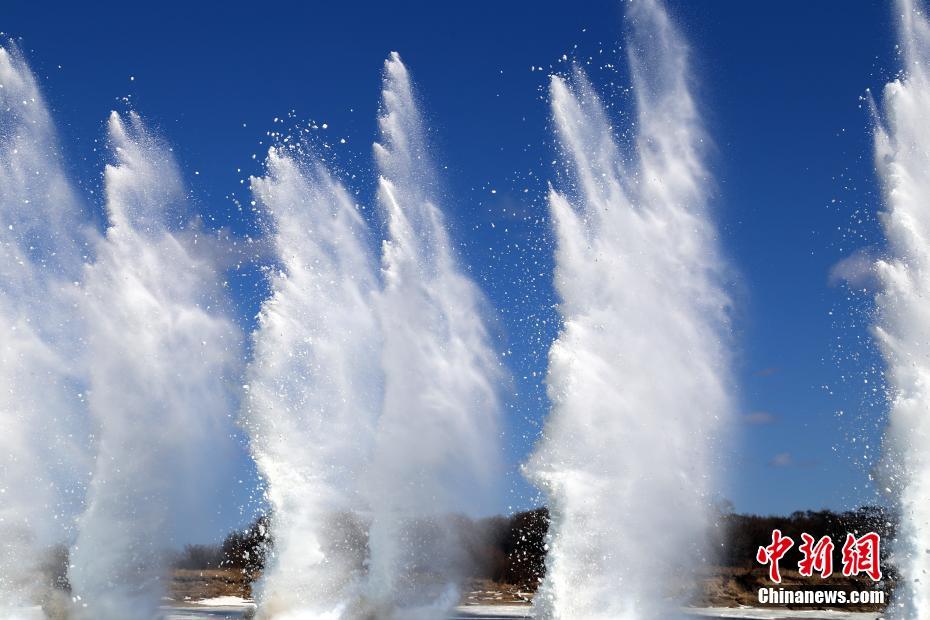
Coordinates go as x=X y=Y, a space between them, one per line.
x=474 y=612
x=228 y=607
x=227 y=601
x=22 y=613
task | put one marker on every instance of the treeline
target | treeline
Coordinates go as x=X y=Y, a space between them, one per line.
x=501 y=549
x=243 y=550
x=512 y=550
x=740 y=536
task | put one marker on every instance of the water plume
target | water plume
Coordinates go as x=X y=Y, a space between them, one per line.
x=902 y=326
x=639 y=375
x=314 y=387
x=43 y=444
x=163 y=358
x=369 y=396
x=437 y=445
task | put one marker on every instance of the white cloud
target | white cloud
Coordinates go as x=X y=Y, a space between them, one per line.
x=856 y=270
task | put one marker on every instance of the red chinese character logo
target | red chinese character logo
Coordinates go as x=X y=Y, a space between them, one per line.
x=861 y=555
x=817 y=557
x=773 y=553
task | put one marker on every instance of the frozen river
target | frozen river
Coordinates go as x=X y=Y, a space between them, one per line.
x=236 y=609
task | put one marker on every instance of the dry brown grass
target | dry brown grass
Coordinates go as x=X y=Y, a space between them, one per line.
x=193 y=585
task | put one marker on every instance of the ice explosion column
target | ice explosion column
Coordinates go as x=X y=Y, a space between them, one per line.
x=43 y=441
x=163 y=356
x=902 y=328
x=314 y=386
x=437 y=447
x=639 y=375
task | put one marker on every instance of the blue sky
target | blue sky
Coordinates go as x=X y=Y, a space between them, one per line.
x=780 y=85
